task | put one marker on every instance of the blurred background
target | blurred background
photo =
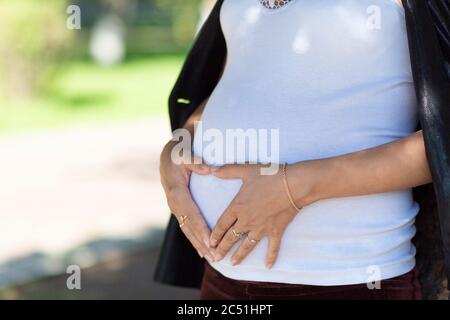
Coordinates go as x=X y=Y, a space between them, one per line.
x=83 y=116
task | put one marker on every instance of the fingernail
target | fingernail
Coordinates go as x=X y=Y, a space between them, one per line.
x=213 y=242
x=234 y=262
x=269 y=265
x=218 y=257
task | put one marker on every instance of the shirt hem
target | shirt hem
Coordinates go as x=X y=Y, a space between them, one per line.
x=349 y=276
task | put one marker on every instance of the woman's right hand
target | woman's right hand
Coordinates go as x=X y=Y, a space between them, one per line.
x=175 y=181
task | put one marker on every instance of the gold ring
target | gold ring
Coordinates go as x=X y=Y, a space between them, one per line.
x=238 y=234
x=183 y=219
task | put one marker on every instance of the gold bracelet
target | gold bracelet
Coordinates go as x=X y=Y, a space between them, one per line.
x=286 y=186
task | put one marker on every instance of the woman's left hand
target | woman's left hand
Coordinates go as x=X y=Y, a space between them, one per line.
x=260 y=209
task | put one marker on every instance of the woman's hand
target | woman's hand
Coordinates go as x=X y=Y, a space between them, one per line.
x=262 y=206
x=260 y=209
x=175 y=181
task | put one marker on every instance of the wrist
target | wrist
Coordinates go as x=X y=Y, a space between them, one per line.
x=308 y=179
x=167 y=149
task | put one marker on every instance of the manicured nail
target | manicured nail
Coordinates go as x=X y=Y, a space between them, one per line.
x=234 y=262
x=269 y=265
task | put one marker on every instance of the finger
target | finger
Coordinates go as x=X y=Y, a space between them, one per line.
x=225 y=245
x=273 y=250
x=190 y=231
x=200 y=247
x=201 y=168
x=225 y=222
x=248 y=244
x=230 y=171
x=195 y=222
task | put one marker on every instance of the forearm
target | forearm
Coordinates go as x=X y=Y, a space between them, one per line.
x=190 y=126
x=196 y=116
x=394 y=166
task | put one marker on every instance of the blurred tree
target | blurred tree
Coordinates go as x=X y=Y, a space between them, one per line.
x=33 y=35
x=160 y=26
x=184 y=18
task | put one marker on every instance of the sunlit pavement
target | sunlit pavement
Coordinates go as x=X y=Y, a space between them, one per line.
x=61 y=189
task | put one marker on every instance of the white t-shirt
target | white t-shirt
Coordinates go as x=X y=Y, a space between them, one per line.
x=333 y=77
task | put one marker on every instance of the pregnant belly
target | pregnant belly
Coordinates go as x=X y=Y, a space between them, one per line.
x=333 y=231
x=213 y=195
x=358 y=215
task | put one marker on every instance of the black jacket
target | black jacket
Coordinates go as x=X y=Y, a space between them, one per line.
x=428 y=25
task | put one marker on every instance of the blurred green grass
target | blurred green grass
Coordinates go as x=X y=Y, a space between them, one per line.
x=82 y=92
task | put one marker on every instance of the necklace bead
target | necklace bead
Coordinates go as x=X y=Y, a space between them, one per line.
x=276 y=4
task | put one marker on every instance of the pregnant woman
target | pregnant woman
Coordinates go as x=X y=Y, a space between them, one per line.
x=333 y=79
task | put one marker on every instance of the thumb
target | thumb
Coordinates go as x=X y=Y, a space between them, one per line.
x=200 y=169
x=198 y=166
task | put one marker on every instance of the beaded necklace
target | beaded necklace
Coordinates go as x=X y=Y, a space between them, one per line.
x=274 y=4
